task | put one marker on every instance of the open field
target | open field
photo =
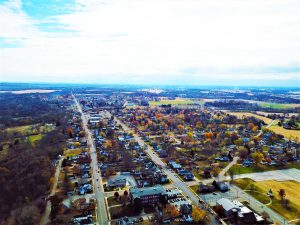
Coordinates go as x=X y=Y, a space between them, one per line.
x=72 y=152
x=29 y=129
x=278 y=106
x=285 y=132
x=23 y=130
x=34 y=138
x=247 y=114
x=239 y=169
x=290 y=211
x=177 y=101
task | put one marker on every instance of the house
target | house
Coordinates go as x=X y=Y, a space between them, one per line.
x=148 y=195
x=222 y=186
x=162 y=154
x=116 y=183
x=125 y=221
x=228 y=206
x=240 y=213
x=175 y=165
x=206 y=188
x=189 y=176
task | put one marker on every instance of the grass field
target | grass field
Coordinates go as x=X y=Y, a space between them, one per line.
x=239 y=169
x=247 y=114
x=72 y=152
x=286 y=133
x=291 y=210
x=23 y=130
x=34 y=138
x=278 y=106
x=177 y=101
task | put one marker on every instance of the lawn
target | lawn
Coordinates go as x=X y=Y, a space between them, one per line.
x=177 y=101
x=194 y=188
x=121 y=211
x=113 y=201
x=291 y=210
x=72 y=152
x=239 y=169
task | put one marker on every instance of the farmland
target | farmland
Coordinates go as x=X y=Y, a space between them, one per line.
x=285 y=132
x=278 y=106
x=177 y=101
x=241 y=114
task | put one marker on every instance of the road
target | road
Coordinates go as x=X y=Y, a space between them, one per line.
x=177 y=182
x=101 y=211
x=45 y=217
x=268 y=126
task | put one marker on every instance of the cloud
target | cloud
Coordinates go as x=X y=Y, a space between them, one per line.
x=153 y=41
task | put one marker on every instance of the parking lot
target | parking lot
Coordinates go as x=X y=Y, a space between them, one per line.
x=212 y=198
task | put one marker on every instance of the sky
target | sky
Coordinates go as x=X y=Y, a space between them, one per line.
x=175 y=42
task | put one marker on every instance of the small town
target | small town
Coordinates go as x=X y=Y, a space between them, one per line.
x=128 y=112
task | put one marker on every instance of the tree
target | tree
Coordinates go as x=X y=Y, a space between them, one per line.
x=116 y=195
x=109 y=172
x=257 y=157
x=216 y=170
x=180 y=128
x=70 y=132
x=82 y=133
x=231 y=174
x=30 y=215
x=198 y=214
x=199 y=125
x=190 y=135
x=172 y=210
x=282 y=194
x=138 y=205
x=55 y=205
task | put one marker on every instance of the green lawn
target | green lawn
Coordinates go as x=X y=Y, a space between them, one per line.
x=112 y=201
x=22 y=130
x=194 y=188
x=35 y=138
x=72 y=152
x=239 y=169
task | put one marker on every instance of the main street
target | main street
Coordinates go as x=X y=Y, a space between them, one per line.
x=102 y=216
x=178 y=183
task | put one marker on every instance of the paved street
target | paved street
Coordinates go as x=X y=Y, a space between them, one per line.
x=102 y=216
x=45 y=217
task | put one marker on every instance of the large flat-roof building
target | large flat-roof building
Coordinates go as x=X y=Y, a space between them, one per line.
x=148 y=195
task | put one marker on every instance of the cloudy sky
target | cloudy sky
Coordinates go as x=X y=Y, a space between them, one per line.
x=186 y=42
